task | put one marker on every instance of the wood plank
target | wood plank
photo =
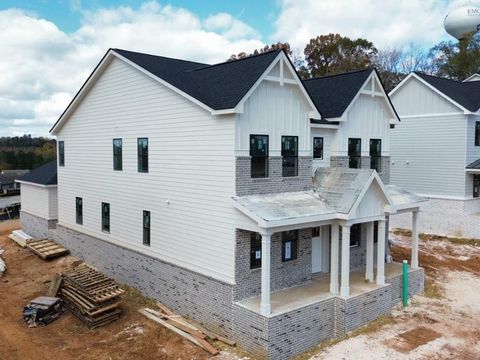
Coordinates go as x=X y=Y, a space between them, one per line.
x=55 y=286
x=165 y=309
x=211 y=334
x=176 y=321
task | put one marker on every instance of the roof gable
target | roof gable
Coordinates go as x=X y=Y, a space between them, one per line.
x=473 y=77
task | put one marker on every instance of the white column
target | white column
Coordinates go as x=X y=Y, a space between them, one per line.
x=334 y=260
x=345 y=281
x=414 y=262
x=265 y=307
x=381 y=253
x=369 y=254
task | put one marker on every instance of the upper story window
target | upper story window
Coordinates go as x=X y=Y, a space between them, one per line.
x=289 y=245
x=117 y=154
x=142 y=155
x=259 y=156
x=477 y=133
x=354 y=153
x=79 y=210
x=106 y=217
x=146 y=228
x=318 y=147
x=476 y=186
x=289 y=156
x=255 y=250
x=376 y=154
x=61 y=153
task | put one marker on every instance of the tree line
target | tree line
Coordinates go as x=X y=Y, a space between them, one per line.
x=25 y=152
x=331 y=54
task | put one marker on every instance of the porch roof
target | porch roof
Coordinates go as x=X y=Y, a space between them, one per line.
x=403 y=199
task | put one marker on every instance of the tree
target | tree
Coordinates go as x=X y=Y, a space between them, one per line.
x=387 y=63
x=332 y=54
x=279 y=45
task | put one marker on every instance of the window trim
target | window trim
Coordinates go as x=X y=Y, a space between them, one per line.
x=477 y=194
x=379 y=157
x=120 y=168
x=293 y=248
x=61 y=153
x=78 y=214
x=313 y=145
x=146 y=239
x=140 y=157
x=294 y=157
x=477 y=133
x=253 y=249
x=105 y=220
x=266 y=157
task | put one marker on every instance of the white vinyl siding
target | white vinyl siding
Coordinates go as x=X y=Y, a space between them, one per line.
x=39 y=201
x=190 y=179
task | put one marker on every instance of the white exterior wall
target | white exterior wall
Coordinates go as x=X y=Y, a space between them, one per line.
x=39 y=200
x=328 y=136
x=191 y=165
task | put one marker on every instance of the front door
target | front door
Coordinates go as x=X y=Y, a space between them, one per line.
x=320 y=249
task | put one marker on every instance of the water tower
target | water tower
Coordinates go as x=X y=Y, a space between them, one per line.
x=462 y=22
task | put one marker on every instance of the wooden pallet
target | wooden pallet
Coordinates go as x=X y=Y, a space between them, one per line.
x=94 y=322
x=47 y=249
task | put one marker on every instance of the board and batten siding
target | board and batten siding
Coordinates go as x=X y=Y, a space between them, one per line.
x=40 y=201
x=190 y=180
x=327 y=135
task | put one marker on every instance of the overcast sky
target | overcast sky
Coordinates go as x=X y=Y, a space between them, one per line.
x=48 y=48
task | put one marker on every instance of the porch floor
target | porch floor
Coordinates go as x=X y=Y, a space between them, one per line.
x=318 y=289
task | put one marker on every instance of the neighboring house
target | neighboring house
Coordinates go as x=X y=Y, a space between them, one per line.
x=8 y=186
x=193 y=183
x=435 y=151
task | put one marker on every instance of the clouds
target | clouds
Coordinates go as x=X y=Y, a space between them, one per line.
x=42 y=67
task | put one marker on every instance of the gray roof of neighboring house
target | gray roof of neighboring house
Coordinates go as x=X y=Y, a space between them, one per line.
x=474 y=165
x=9 y=176
x=42 y=175
x=402 y=198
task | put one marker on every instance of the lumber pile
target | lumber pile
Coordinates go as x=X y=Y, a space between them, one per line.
x=20 y=237
x=46 y=249
x=90 y=295
x=190 y=330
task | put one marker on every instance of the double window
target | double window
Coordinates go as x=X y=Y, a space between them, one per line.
x=354 y=153
x=142 y=149
x=476 y=186
x=117 y=154
x=477 y=133
x=259 y=156
x=289 y=245
x=376 y=154
x=255 y=250
x=61 y=153
x=79 y=210
x=318 y=147
x=106 y=217
x=289 y=156
x=146 y=228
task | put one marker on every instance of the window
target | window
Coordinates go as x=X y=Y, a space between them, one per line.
x=142 y=155
x=79 y=210
x=61 y=153
x=259 y=156
x=289 y=245
x=318 y=147
x=290 y=156
x=375 y=231
x=476 y=186
x=255 y=250
x=146 y=228
x=105 y=217
x=376 y=154
x=354 y=153
x=355 y=234
x=315 y=232
x=477 y=133
x=117 y=154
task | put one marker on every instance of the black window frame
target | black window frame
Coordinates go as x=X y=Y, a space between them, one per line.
x=355 y=235
x=106 y=217
x=79 y=210
x=289 y=157
x=147 y=222
x=476 y=186
x=376 y=157
x=256 y=159
x=317 y=156
x=292 y=238
x=477 y=133
x=375 y=231
x=315 y=232
x=354 y=159
x=255 y=249
x=117 y=154
x=61 y=153
x=142 y=156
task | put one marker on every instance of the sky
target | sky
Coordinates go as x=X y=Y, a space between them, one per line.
x=49 y=47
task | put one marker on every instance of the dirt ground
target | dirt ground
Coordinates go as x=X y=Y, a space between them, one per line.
x=443 y=323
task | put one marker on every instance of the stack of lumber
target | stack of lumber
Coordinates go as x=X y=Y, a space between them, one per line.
x=90 y=295
x=189 y=329
x=46 y=249
x=20 y=237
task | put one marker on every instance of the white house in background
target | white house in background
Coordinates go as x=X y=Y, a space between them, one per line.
x=193 y=183
x=435 y=151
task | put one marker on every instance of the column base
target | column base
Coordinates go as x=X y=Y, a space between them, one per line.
x=380 y=280
x=265 y=309
x=345 y=292
x=334 y=289
x=369 y=277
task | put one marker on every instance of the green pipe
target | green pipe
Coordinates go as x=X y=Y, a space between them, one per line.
x=405 y=283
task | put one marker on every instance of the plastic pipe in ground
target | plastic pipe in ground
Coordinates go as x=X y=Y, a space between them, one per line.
x=405 y=284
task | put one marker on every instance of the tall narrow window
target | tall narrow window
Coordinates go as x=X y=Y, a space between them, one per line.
x=477 y=133
x=259 y=156
x=289 y=156
x=79 y=210
x=376 y=154
x=355 y=234
x=354 y=153
x=117 y=154
x=255 y=250
x=146 y=228
x=318 y=147
x=375 y=232
x=61 y=153
x=476 y=186
x=142 y=155
x=289 y=245
x=106 y=217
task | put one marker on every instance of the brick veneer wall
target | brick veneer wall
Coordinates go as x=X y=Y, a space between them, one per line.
x=342 y=162
x=275 y=183
x=35 y=226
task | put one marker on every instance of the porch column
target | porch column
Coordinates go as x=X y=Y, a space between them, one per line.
x=414 y=262
x=334 y=260
x=381 y=253
x=369 y=254
x=345 y=281
x=265 y=307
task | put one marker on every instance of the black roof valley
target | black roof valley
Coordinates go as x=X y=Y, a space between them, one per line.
x=42 y=175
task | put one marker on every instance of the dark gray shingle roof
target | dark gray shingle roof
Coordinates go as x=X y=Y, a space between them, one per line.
x=42 y=175
x=474 y=165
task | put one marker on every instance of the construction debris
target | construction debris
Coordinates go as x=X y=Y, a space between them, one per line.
x=47 y=249
x=42 y=311
x=90 y=295
x=20 y=237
